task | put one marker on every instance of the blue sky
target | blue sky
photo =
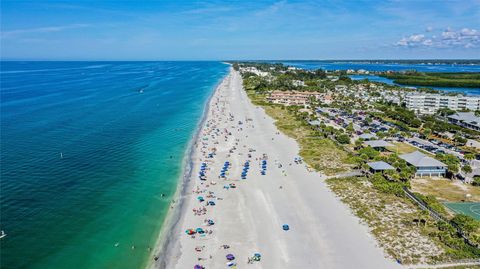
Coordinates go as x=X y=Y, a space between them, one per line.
x=203 y=30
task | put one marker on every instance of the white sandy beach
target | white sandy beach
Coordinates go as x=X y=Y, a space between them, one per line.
x=323 y=232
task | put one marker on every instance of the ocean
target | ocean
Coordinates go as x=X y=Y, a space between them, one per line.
x=91 y=154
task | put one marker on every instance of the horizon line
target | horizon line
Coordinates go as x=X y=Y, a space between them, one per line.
x=231 y=60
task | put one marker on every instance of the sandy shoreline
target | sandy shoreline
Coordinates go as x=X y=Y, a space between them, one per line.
x=170 y=230
x=249 y=218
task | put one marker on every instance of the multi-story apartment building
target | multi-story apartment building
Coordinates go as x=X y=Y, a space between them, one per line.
x=430 y=103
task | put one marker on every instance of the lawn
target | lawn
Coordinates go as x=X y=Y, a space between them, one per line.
x=401 y=148
x=446 y=190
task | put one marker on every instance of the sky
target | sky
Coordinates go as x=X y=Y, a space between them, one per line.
x=239 y=30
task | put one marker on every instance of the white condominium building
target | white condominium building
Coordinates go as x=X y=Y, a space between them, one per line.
x=430 y=103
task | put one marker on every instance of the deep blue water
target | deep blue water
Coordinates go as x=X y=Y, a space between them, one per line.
x=87 y=149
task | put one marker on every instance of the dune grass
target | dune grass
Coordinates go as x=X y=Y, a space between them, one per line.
x=320 y=153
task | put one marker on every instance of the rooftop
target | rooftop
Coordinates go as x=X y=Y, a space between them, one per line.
x=367 y=136
x=419 y=159
x=380 y=166
x=378 y=144
x=467 y=117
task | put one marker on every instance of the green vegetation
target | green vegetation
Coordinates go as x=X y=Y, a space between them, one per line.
x=404 y=118
x=466 y=80
x=452 y=162
x=316 y=149
x=432 y=202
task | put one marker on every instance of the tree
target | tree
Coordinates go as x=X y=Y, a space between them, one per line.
x=426 y=132
x=358 y=142
x=469 y=156
x=445 y=112
x=450 y=160
x=343 y=139
x=369 y=152
x=349 y=128
x=476 y=181
x=459 y=140
x=468 y=224
x=467 y=169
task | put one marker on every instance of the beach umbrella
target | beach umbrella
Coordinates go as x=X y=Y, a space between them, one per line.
x=198 y=267
x=210 y=222
x=200 y=231
x=230 y=257
x=190 y=231
x=200 y=198
x=285 y=227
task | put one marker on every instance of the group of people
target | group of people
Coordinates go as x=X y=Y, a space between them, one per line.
x=224 y=127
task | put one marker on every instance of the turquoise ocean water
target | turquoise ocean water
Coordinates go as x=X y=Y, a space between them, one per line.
x=87 y=150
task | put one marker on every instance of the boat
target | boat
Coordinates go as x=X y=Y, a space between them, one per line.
x=2 y=234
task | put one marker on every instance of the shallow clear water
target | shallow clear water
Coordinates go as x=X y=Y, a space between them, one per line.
x=87 y=150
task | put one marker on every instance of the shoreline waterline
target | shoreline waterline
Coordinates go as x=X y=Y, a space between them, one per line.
x=168 y=230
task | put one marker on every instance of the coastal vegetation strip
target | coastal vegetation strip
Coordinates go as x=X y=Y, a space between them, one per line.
x=318 y=151
x=464 y=80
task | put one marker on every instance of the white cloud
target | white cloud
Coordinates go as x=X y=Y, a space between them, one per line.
x=49 y=29
x=411 y=41
x=449 y=38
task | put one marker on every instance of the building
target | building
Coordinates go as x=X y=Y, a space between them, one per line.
x=465 y=119
x=327 y=99
x=254 y=70
x=375 y=167
x=426 y=166
x=292 y=97
x=379 y=145
x=367 y=136
x=473 y=144
x=430 y=103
